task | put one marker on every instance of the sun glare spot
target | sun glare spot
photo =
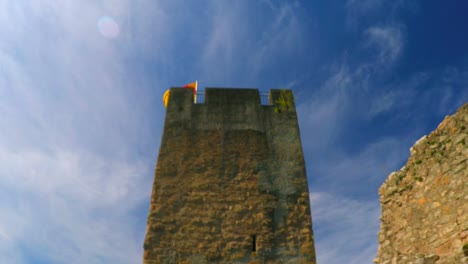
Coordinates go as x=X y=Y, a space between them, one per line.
x=108 y=27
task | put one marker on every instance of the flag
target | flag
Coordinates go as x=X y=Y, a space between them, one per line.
x=166 y=97
x=192 y=86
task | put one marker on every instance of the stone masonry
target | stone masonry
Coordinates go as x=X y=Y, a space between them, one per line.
x=230 y=183
x=425 y=204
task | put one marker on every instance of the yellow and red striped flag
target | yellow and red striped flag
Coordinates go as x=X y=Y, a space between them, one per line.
x=193 y=86
x=166 y=97
x=190 y=86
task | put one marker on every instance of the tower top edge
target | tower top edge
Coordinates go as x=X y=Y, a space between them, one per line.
x=229 y=96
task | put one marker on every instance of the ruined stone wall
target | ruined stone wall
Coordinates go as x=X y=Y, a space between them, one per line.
x=425 y=204
x=230 y=183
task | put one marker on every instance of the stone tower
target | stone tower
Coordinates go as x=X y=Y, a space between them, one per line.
x=230 y=183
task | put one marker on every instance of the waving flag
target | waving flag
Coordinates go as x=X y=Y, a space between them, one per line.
x=192 y=86
x=166 y=97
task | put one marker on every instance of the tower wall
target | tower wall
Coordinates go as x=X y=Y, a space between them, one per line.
x=230 y=183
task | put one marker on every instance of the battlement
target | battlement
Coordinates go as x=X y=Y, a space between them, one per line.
x=222 y=96
x=230 y=109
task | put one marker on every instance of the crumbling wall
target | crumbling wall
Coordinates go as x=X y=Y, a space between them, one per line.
x=425 y=204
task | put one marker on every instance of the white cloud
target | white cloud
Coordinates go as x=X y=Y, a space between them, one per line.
x=81 y=201
x=363 y=6
x=320 y=116
x=323 y=110
x=388 y=41
x=283 y=35
x=345 y=229
x=283 y=32
x=264 y=35
x=80 y=176
x=397 y=96
x=383 y=103
x=452 y=90
x=226 y=34
x=344 y=172
x=70 y=181
x=347 y=87
x=361 y=12
x=358 y=10
x=9 y=254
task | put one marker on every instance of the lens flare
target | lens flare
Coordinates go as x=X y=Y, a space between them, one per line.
x=108 y=27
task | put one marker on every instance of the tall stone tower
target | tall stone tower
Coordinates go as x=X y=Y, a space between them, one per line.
x=230 y=183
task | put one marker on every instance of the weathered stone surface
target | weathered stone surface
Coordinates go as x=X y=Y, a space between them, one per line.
x=425 y=204
x=230 y=176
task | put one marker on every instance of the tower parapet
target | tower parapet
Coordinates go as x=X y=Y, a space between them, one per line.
x=228 y=106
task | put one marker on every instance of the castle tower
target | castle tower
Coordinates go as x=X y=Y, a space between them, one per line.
x=230 y=183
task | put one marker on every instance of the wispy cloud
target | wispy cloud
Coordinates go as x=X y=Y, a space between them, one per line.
x=361 y=13
x=323 y=110
x=73 y=166
x=82 y=201
x=365 y=5
x=342 y=154
x=268 y=32
x=396 y=96
x=74 y=174
x=436 y=88
x=345 y=172
x=388 y=42
x=357 y=11
x=227 y=40
x=453 y=89
x=344 y=227
x=349 y=86
x=283 y=35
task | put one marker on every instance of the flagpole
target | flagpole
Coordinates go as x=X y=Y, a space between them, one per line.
x=196 y=90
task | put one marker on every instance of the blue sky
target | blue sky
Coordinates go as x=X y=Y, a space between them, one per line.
x=81 y=112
